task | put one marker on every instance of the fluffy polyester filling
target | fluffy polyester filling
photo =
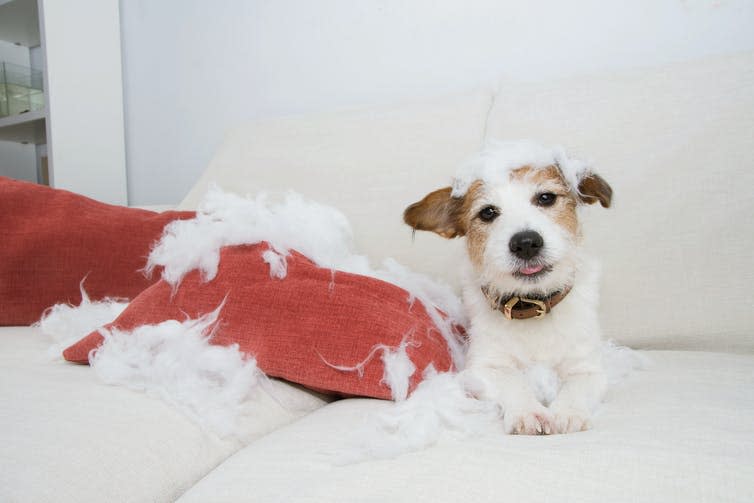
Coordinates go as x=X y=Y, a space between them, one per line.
x=495 y=162
x=66 y=324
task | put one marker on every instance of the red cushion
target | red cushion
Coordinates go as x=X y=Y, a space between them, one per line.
x=290 y=325
x=51 y=239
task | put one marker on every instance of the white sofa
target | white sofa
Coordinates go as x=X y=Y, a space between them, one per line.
x=676 y=144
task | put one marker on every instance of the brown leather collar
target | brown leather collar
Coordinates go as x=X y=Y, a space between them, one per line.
x=522 y=308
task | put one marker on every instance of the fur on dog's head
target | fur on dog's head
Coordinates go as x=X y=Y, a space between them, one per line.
x=516 y=204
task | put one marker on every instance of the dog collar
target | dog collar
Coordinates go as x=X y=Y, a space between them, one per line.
x=522 y=308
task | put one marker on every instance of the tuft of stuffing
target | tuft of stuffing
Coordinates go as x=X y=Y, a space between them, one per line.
x=174 y=361
x=440 y=407
x=398 y=370
x=498 y=158
x=277 y=263
x=66 y=324
x=397 y=367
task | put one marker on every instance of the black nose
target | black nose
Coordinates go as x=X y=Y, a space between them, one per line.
x=526 y=244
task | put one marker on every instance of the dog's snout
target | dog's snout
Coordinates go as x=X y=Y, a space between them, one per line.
x=526 y=244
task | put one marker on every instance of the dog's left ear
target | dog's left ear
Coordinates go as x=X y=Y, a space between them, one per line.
x=593 y=188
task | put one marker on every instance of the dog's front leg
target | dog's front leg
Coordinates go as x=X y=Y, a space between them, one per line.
x=522 y=413
x=578 y=396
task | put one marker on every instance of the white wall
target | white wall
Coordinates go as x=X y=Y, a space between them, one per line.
x=193 y=69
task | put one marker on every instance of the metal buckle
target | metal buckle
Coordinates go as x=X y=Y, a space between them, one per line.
x=508 y=307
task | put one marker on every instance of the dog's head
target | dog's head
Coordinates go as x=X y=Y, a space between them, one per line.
x=516 y=204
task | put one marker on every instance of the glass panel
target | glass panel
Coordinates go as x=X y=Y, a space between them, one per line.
x=21 y=89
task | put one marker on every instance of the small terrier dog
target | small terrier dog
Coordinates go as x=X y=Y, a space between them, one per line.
x=530 y=294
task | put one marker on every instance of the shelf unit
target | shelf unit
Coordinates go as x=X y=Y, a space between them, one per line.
x=81 y=125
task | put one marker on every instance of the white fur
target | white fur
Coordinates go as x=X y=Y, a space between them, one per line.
x=506 y=354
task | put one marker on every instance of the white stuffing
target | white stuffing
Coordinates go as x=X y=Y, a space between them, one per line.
x=495 y=162
x=174 y=361
x=397 y=367
x=66 y=324
x=277 y=263
x=439 y=407
x=319 y=232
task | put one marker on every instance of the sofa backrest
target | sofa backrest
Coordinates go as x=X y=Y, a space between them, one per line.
x=370 y=164
x=675 y=143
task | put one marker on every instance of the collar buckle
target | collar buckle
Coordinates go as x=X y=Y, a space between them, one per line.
x=508 y=307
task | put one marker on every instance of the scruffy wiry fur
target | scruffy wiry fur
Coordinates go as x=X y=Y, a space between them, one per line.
x=507 y=180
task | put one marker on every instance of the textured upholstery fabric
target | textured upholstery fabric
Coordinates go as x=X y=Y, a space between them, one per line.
x=676 y=144
x=51 y=239
x=291 y=325
x=682 y=430
x=369 y=164
x=66 y=437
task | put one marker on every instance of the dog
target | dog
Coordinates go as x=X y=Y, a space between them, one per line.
x=529 y=291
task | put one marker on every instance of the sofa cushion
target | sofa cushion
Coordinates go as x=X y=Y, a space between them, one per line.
x=53 y=239
x=299 y=327
x=369 y=164
x=69 y=438
x=682 y=430
x=676 y=145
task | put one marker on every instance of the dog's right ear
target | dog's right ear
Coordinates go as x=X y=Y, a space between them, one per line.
x=438 y=212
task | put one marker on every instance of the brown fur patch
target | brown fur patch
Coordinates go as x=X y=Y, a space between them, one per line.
x=477 y=231
x=563 y=212
x=594 y=188
x=438 y=212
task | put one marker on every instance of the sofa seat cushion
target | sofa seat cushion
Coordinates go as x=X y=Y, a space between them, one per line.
x=681 y=430
x=68 y=437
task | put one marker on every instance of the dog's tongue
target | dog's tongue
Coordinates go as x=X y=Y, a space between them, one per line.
x=531 y=270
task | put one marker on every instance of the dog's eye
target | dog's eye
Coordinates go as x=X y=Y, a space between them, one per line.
x=488 y=213
x=545 y=199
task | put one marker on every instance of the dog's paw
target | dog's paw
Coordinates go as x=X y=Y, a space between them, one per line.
x=534 y=420
x=570 y=420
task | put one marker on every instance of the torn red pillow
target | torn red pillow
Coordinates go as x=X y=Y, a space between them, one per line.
x=51 y=239
x=298 y=328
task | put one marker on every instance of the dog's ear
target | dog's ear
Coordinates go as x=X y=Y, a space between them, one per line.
x=438 y=212
x=593 y=188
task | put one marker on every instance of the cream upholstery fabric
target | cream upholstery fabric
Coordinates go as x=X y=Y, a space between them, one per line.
x=68 y=437
x=682 y=430
x=676 y=144
x=370 y=164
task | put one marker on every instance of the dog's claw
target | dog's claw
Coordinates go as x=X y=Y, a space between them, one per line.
x=568 y=420
x=537 y=421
